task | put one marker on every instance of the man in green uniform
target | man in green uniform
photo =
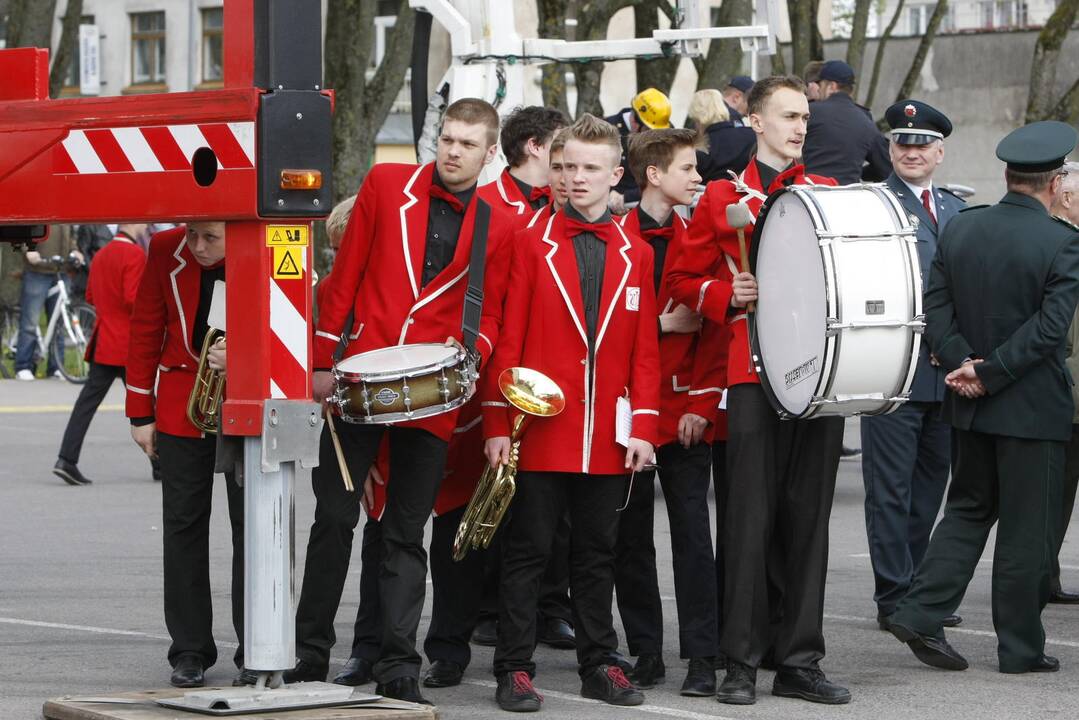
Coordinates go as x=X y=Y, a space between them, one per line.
x=1002 y=291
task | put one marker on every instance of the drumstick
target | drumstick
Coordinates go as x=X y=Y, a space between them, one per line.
x=340 y=453
x=738 y=217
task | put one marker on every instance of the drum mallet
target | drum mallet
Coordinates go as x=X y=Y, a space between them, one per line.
x=739 y=217
x=345 y=475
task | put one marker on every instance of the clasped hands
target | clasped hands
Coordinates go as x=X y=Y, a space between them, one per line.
x=964 y=381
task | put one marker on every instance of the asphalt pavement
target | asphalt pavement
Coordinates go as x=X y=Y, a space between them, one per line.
x=81 y=600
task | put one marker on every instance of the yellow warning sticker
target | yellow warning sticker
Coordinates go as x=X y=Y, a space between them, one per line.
x=286 y=235
x=287 y=263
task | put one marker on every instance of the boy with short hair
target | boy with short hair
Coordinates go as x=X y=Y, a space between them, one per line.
x=664 y=163
x=580 y=308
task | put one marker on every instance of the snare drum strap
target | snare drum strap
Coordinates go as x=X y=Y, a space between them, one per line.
x=470 y=322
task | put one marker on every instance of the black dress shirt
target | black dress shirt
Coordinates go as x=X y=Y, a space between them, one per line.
x=527 y=190
x=769 y=174
x=443 y=229
x=206 y=296
x=591 y=255
x=658 y=242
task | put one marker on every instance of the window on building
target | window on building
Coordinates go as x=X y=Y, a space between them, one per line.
x=74 y=70
x=385 y=19
x=212 y=54
x=148 y=48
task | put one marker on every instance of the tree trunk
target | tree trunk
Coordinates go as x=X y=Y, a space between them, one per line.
x=655 y=73
x=802 y=22
x=1043 y=68
x=816 y=40
x=66 y=49
x=552 y=24
x=911 y=81
x=880 y=53
x=856 y=45
x=593 y=17
x=361 y=106
x=30 y=23
x=1067 y=109
x=724 y=57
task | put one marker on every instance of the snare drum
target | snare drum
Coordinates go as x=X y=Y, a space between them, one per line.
x=838 y=324
x=403 y=382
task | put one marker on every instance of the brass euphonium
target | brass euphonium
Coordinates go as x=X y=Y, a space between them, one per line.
x=535 y=395
x=204 y=403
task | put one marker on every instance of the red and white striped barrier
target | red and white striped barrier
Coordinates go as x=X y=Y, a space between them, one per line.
x=289 y=334
x=161 y=148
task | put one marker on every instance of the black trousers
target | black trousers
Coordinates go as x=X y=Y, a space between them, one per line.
x=1015 y=484
x=456 y=588
x=781 y=480
x=554 y=602
x=93 y=392
x=538 y=506
x=1071 y=480
x=684 y=475
x=906 y=457
x=187 y=481
x=417 y=462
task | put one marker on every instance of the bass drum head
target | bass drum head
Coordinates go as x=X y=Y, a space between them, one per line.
x=400 y=359
x=790 y=323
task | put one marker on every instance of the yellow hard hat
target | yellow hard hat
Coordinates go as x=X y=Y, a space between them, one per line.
x=653 y=108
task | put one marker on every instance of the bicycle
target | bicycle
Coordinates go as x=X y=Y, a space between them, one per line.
x=68 y=331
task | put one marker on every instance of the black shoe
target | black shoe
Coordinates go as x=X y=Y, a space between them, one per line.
x=808 y=684
x=952 y=621
x=649 y=671
x=246 y=677
x=69 y=473
x=701 y=678
x=1063 y=597
x=486 y=633
x=557 y=633
x=609 y=684
x=305 y=672
x=357 y=671
x=516 y=694
x=403 y=688
x=187 y=673
x=739 y=687
x=443 y=673
x=618 y=659
x=930 y=650
x=849 y=453
x=1046 y=664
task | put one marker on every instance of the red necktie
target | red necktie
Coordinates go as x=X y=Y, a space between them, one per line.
x=927 y=202
x=540 y=192
x=442 y=193
x=603 y=230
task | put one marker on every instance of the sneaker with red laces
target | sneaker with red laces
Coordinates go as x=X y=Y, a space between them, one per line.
x=516 y=694
x=609 y=684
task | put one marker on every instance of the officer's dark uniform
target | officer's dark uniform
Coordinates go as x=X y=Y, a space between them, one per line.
x=906 y=455
x=842 y=138
x=1003 y=289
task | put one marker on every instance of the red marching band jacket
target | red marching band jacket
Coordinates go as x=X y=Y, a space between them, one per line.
x=544 y=329
x=111 y=289
x=161 y=332
x=378 y=270
x=693 y=365
x=701 y=273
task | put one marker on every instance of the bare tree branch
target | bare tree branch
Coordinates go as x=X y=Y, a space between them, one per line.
x=856 y=45
x=911 y=81
x=1043 y=66
x=65 y=51
x=880 y=52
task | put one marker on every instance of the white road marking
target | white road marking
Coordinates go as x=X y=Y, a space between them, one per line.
x=646 y=709
x=983 y=561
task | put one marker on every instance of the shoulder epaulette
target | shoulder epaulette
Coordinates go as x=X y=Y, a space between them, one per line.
x=968 y=208
x=1067 y=223
x=954 y=194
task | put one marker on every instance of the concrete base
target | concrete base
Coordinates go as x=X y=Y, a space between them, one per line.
x=143 y=706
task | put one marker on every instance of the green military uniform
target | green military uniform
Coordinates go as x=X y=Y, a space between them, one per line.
x=1003 y=289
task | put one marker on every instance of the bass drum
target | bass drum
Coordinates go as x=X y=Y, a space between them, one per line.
x=838 y=323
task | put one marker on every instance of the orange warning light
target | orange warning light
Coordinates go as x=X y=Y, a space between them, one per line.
x=301 y=179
